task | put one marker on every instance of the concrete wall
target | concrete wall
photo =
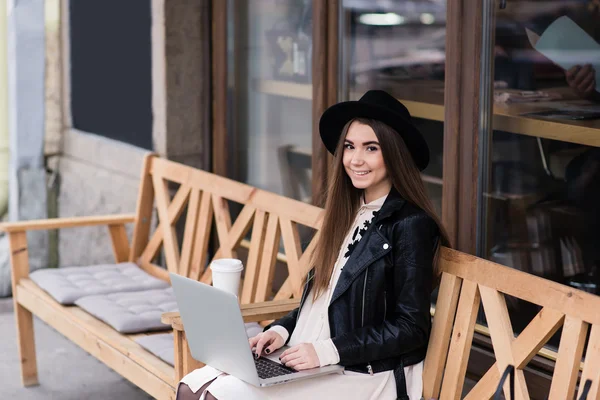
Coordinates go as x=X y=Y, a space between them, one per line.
x=97 y=176
x=101 y=176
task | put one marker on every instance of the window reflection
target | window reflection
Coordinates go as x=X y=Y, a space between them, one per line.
x=399 y=46
x=543 y=197
x=270 y=92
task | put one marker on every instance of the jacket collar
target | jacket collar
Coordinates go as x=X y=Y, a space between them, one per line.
x=392 y=204
x=370 y=248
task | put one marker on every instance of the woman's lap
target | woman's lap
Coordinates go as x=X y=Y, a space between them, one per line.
x=346 y=386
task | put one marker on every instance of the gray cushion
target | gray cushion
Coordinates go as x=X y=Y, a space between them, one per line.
x=160 y=345
x=131 y=312
x=69 y=284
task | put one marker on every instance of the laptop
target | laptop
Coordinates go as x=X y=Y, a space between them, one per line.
x=217 y=336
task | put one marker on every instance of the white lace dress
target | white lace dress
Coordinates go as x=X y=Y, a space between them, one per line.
x=313 y=327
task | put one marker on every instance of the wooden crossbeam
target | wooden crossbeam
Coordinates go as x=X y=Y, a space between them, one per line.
x=254 y=256
x=174 y=212
x=570 y=352
x=502 y=335
x=287 y=289
x=524 y=348
x=230 y=237
x=293 y=250
x=202 y=236
x=189 y=235
x=170 y=243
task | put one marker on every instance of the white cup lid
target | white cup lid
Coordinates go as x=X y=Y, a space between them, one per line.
x=227 y=265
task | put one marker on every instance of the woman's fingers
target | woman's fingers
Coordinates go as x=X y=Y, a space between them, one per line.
x=302 y=367
x=264 y=341
x=290 y=351
x=289 y=358
x=296 y=361
x=275 y=344
x=254 y=340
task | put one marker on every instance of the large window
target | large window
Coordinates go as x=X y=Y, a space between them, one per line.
x=540 y=200
x=270 y=89
x=399 y=47
x=111 y=93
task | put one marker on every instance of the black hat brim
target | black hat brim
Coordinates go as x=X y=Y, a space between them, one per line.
x=337 y=116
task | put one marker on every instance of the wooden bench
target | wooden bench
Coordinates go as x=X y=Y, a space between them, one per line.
x=468 y=281
x=202 y=202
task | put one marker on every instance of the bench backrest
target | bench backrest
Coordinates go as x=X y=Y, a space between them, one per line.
x=205 y=199
x=467 y=281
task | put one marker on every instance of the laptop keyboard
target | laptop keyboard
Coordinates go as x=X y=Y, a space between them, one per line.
x=269 y=369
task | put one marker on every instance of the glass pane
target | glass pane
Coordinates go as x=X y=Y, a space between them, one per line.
x=270 y=92
x=543 y=173
x=399 y=46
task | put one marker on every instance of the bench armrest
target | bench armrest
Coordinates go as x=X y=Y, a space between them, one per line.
x=71 y=222
x=250 y=312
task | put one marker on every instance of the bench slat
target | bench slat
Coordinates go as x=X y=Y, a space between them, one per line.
x=462 y=338
x=502 y=335
x=570 y=352
x=200 y=253
x=190 y=232
x=591 y=369
x=579 y=304
x=269 y=257
x=293 y=252
x=143 y=213
x=120 y=242
x=254 y=256
x=441 y=332
x=524 y=347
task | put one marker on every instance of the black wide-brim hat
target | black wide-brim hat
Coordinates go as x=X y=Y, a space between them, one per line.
x=381 y=106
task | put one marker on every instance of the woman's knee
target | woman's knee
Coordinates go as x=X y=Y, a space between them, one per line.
x=185 y=393
x=209 y=396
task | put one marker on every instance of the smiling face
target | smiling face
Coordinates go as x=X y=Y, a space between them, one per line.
x=363 y=162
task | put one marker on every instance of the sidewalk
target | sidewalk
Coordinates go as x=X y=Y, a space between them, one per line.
x=65 y=371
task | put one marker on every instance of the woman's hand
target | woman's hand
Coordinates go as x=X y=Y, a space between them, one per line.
x=583 y=81
x=300 y=357
x=268 y=341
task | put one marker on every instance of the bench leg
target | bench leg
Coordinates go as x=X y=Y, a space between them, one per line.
x=19 y=269
x=184 y=362
x=26 y=343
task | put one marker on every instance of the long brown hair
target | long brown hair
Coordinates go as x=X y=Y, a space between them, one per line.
x=343 y=199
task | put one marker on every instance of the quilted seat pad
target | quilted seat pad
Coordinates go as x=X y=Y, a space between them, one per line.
x=131 y=312
x=66 y=285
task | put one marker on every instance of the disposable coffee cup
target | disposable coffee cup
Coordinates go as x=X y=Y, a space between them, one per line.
x=227 y=273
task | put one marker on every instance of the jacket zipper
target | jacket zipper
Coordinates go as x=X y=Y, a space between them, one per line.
x=384 y=305
x=369 y=367
x=362 y=323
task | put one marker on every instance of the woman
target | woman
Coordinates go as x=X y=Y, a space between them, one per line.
x=366 y=302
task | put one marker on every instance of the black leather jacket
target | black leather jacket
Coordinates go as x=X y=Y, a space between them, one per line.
x=379 y=315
